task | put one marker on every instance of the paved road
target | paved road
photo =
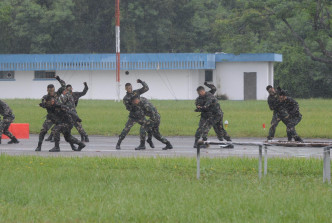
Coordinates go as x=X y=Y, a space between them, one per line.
x=105 y=146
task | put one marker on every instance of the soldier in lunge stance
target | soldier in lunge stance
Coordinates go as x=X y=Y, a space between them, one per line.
x=135 y=115
x=64 y=120
x=211 y=115
x=291 y=117
x=73 y=98
x=151 y=125
x=7 y=118
x=50 y=119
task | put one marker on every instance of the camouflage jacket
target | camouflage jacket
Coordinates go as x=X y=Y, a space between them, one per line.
x=291 y=106
x=67 y=99
x=274 y=103
x=210 y=104
x=60 y=113
x=149 y=109
x=200 y=99
x=5 y=110
x=134 y=111
x=77 y=94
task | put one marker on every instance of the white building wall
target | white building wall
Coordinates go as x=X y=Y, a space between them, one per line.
x=229 y=78
x=163 y=84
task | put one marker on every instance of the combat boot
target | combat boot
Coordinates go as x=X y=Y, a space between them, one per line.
x=13 y=140
x=56 y=147
x=298 y=139
x=80 y=146
x=73 y=147
x=228 y=139
x=82 y=138
x=168 y=146
x=87 y=138
x=141 y=146
x=195 y=143
x=118 y=146
x=150 y=143
x=38 y=149
x=49 y=138
x=289 y=137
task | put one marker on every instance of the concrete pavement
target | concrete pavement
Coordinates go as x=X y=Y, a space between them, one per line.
x=101 y=146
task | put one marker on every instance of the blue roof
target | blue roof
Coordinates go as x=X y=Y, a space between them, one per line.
x=248 y=57
x=146 y=61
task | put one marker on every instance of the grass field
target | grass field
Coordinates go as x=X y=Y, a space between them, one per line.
x=37 y=189
x=245 y=117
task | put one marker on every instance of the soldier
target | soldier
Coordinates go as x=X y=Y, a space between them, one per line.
x=275 y=106
x=74 y=97
x=64 y=121
x=8 y=118
x=49 y=122
x=152 y=124
x=135 y=115
x=78 y=125
x=211 y=115
x=292 y=117
x=204 y=115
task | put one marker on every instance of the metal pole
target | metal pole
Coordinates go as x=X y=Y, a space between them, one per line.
x=198 y=161
x=260 y=162
x=117 y=47
x=265 y=160
x=327 y=165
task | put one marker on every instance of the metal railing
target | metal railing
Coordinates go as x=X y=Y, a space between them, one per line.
x=326 y=154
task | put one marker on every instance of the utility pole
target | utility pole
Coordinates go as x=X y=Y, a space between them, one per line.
x=117 y=47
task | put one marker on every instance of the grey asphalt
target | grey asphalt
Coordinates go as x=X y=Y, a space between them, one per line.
x=103 y=146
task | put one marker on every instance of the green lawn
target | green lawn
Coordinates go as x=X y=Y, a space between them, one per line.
x=37 y=189
x=178 y=118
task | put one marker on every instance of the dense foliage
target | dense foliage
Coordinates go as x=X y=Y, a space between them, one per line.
x=298 y=29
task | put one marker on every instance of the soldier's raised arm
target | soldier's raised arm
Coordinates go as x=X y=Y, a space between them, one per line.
x=145 y=87
x=62 y=82
x=213 y=88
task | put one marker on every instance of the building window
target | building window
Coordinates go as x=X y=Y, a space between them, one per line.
x=41 y=75
x=209 y=75
x=7 y=75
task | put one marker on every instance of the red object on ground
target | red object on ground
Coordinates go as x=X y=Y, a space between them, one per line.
x=263 y=125
x=19 y=130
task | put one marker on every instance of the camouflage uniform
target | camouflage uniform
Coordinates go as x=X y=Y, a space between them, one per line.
x=63 y=119
x=152 y=124
x=291 y=117
x=135 y=114
x=8 y=118
x=275 y=106
x=77 y=95
x=211 y=116
x=71 y=100
x=49 y=122
x=205 y=115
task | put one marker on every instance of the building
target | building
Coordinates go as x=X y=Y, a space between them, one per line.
x=169 y=76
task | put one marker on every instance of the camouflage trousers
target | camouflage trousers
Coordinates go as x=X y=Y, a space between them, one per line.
x=215 y=121
x=152 y=126
x=4 y=125
x=130 y=123
x=78 y=126
x=48 y=123
x=274 y=123
x=290 y=123
x=65 y=129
